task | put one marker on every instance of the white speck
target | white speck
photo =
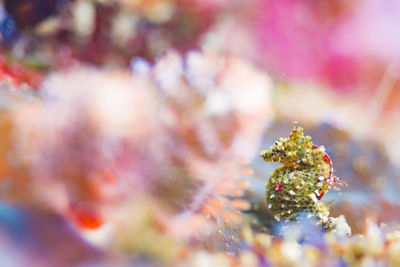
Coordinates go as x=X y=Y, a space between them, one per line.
x=277 y=217
x=322 y=148
x=269 y=206
x=287 y=198
x=302 y=182
x=320 y=184
x=289 y=211
x=283 y=205
x=292 y=192
x=317 y=192
x=285 y=181
x=313 y=197
x=272 y=196
x=321 y=178
x=298 y=187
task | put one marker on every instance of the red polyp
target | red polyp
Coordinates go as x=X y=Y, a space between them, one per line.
x=327 y=159
x=314 y=147
x=336 y=180
x=278 y=187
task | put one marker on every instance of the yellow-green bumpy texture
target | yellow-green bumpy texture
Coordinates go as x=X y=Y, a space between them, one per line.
x=302 y=181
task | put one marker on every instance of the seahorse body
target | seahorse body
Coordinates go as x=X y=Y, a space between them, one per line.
x=302 y=181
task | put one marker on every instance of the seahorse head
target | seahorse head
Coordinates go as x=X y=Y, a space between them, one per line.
x=296 y=151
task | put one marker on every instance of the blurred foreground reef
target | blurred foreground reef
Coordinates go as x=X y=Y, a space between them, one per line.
x=130 y=132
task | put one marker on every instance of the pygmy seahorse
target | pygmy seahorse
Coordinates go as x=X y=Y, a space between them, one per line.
x=302 y=181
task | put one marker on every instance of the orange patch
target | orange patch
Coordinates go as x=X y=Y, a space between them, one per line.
x=85 y=218
x=108 y=176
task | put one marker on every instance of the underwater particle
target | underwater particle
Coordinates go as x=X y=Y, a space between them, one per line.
x=306 y=175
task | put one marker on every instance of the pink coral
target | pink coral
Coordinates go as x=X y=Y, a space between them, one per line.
x=333 y=42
